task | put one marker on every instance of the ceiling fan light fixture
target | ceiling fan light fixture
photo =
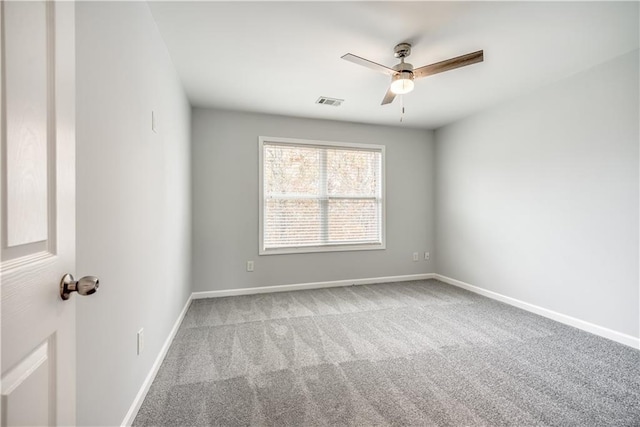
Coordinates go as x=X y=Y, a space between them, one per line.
x=402 y=83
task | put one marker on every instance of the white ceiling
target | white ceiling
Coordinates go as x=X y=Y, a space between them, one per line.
x=279 y=57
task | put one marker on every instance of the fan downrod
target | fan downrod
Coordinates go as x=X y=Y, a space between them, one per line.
x=402 y=50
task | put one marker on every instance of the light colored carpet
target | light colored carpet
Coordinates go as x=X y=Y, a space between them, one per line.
x=410 y=353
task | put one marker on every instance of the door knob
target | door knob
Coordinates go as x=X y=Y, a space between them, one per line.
x=86 y=286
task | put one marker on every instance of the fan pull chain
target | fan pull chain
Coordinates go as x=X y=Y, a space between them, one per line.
x=402 y=105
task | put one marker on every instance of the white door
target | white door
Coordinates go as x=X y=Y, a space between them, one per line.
x=37 y=130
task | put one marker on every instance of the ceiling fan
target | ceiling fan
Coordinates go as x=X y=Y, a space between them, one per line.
x=403 y=74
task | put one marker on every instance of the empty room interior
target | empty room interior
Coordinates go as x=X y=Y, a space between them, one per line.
x=321 y=213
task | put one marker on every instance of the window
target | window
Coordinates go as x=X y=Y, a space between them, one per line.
x=318 y=196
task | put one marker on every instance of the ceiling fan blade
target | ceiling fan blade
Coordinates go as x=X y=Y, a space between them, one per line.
x=369 y=64
x=449 y=64
x=388 y=97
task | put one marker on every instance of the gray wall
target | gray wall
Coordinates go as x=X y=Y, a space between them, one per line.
x=538 y=199
x=133 y=202
x=225 y=202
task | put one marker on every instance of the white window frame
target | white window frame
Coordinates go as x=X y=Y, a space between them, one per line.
x=324 y=248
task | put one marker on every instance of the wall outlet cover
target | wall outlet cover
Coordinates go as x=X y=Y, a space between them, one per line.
x=140 y=348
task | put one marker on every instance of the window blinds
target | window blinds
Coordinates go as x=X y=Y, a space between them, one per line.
x=317 y=195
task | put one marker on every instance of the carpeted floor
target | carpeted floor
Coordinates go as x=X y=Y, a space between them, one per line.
x=410 y=353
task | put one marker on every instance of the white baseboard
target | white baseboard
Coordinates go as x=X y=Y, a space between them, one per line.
x=142 y=393
x=625 y=339
x=314 y=285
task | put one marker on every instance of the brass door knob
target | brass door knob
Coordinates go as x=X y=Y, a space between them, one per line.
x=88 y=285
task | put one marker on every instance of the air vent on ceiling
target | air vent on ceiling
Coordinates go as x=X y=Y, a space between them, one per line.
x=329 y=101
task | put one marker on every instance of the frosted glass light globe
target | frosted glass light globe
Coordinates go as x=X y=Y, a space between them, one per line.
x=402 y=83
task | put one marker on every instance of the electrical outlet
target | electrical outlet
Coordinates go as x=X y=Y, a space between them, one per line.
x=249 y=265
x=415 y=256
x=427 y=256
x=140 y=341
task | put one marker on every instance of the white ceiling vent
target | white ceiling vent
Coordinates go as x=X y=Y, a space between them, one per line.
x=329 y=101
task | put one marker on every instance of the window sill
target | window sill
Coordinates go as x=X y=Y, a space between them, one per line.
x=316 y=249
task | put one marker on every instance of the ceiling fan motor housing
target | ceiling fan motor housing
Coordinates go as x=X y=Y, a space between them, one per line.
x=403 y=67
